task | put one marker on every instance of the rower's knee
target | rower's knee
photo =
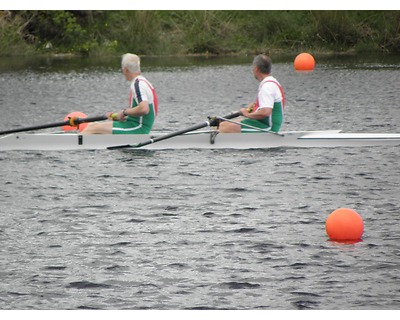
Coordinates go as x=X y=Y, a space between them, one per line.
x=89 y=128
x=98 y=128
x=229 y=127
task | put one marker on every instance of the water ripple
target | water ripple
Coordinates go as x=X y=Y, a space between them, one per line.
x=201 y=229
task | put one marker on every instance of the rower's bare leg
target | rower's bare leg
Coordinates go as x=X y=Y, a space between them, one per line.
x=98 y=128
x=229 y=127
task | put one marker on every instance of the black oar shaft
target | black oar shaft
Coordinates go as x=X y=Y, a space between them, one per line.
x=76 y=121
x=173 y=134
x=211 y=122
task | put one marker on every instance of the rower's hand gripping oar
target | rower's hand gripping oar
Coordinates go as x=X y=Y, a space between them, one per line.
x=211 y=122
x=73 y=122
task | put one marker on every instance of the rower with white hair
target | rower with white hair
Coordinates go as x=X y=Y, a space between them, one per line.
x=139 y=117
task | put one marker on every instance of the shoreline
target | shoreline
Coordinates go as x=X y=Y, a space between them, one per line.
x=270 y=52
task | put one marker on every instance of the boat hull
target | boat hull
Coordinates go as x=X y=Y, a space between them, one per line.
x=198 y=140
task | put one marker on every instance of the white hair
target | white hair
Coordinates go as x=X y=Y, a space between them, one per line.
x=131 y=62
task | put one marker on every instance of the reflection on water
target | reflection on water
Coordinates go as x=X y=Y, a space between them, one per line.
x=65 y=63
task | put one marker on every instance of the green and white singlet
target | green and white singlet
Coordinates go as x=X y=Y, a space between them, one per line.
x=140 y=90
x=270 y=95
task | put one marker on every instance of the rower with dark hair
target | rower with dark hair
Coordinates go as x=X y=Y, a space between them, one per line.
x=266 y=113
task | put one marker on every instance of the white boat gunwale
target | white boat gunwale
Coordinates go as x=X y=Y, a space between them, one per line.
x=197 y=140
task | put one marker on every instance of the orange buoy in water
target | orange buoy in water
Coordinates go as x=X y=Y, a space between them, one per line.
x=304 y=62
x=344 y=224
x=75 y=114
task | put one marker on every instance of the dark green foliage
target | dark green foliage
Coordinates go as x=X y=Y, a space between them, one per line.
x=197 y=32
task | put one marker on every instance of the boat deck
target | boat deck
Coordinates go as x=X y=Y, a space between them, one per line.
x=198 y=140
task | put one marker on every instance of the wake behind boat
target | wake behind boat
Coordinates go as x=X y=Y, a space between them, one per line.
x=208 y=139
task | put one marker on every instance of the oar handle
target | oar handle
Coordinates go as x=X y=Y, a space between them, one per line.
x=77 y=121
x=72 y=122
x=214 y=121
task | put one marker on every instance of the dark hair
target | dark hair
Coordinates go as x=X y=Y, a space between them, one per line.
x=263 y=63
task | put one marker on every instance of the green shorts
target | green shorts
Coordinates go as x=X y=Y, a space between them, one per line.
x=129 y=127
x=253 y=123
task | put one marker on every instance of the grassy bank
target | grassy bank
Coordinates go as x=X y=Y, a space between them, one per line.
x=197 y=32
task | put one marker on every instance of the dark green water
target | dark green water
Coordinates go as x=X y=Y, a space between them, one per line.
x=72 y=63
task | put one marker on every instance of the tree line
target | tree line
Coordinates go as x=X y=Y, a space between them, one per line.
x=155 y=32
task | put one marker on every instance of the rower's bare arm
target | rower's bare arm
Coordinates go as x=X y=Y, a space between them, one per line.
x=141 y=109
x=257 y=115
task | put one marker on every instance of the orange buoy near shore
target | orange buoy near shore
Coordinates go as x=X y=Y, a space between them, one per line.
x=344 y=224
x=304 y=62
x=75 y=114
